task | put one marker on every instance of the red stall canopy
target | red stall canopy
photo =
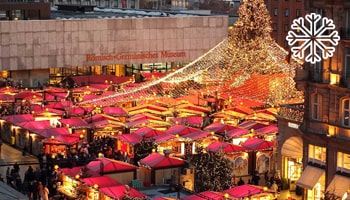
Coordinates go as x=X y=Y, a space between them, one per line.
x=75 y=123
x=118 y=192
x=226 y=147
x=218 y=127
x=267 y=129
x=115 y=111
x=110 y=166
x=206 y=195
x=16 y=119
x=148 y=132
x=245 y=191
x=101 y=181
x=237 y=132
x=159 y=161
x=35 y=125
x=131 y=139
x=257 y=144
x=181 y=130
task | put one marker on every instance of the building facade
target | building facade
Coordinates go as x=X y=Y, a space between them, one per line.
x=325 y=127
x=282 y=15
x=40 y=50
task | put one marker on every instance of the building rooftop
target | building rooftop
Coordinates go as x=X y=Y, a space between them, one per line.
x=98 y=13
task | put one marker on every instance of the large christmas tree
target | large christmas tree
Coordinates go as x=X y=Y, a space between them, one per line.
x=251 y=49
x=212 y=172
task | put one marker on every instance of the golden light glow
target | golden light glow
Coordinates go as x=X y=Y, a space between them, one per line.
x=248 y=50
x=52 y=137
x=100 y=155
x=77 y=176
x=334 y=79
x=95 y=186
x=56 y=167
x=226 y=195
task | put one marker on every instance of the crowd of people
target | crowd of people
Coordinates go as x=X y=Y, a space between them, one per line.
x=38 y=183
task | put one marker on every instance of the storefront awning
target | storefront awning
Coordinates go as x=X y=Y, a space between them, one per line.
x=339 y=185
x=293 y=147
x=309 y=177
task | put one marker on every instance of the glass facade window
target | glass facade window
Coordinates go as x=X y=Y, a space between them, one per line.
x=316 y=105
x=275 y=11
x=317 y=154
x=343 y=162
x=346 y=112
x=297 y=13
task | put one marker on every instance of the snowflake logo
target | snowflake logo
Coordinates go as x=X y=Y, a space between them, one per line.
x=312 y=38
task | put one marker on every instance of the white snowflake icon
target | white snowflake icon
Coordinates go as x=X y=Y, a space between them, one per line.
x=312 y=38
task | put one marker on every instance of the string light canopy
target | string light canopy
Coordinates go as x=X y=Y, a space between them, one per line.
x=248 y=53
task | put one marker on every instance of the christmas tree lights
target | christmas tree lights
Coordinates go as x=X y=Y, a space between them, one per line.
x=249 y=52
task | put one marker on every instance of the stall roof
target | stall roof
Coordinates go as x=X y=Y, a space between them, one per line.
x=206 y=195
x=245 y=190
x=118 y=192
x=34 y=125
x=101 y=181
x=110 y=166
x=219 y=127
x=181 y=130
x=51 y=132
x=16 y=119
x=75 y=123
x=196 y=135
x=251 y=124
x=159 y=161
x=237 y=132
x=115 y=111
x=6 y=97
x=163 y=138
x=226 y=147
x=72 y=172
x=62 y=105
x=131 y=139
x=257 y=144
x=63 y=139
x=267 y=129
x=148 y=132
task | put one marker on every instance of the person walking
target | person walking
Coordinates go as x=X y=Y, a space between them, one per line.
x=45 y=195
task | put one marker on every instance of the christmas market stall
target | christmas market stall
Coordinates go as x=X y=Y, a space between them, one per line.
x=206 y=195
x=121 y=192
x=252 y=192
x=159 y=169
x=120 y=171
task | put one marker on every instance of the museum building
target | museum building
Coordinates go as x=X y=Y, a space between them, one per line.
x=35 y=52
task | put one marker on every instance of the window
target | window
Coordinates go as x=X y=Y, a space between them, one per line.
x=286 y=12
x=343 y=162
x=317 y=70
x=297 y=13
x=346 y=112
x=286 y=28
x=275 y=11
x=317 y=154
x=274 y=26
x=316 y=105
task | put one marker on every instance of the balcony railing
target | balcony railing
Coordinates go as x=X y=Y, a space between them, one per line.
x=293 y=112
